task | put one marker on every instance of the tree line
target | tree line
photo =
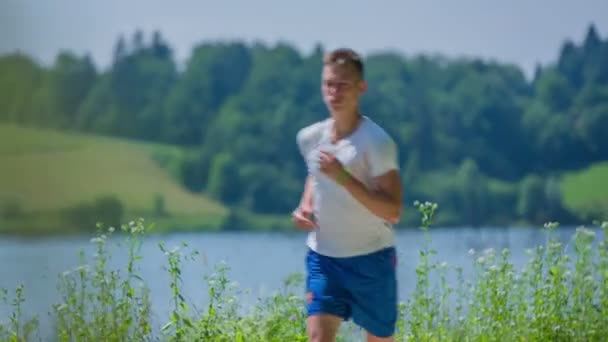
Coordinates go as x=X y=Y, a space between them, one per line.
x=476 y=136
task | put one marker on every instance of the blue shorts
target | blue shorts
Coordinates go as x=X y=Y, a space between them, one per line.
x=363 y=288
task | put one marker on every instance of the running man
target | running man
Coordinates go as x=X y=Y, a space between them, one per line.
x=351 y=199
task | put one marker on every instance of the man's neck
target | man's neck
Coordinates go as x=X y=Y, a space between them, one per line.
x=345 y=124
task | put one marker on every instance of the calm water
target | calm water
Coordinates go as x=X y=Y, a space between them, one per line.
x=258 y=262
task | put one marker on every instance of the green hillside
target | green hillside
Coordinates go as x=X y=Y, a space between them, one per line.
x=586 y=191
x=45 y=173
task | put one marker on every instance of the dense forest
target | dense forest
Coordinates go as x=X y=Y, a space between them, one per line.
x=478 y=137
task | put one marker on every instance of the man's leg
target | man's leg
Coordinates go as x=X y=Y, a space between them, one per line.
x=323 y=327
x=372 y=338
x=327 y=301
x=374 y=290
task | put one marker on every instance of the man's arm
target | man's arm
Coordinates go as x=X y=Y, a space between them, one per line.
x=306 y=199
x=302 y=216
x=384 y=200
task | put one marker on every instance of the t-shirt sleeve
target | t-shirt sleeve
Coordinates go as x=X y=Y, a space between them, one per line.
x=307 y=138
x=302 y=142
x=382 y=155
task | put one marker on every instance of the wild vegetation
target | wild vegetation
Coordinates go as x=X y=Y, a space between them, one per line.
x=560 y=294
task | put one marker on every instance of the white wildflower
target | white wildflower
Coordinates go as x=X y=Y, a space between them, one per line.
x=588 y=232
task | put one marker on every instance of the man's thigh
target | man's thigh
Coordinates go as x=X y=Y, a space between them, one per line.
x=373 y=288
x=325 y=293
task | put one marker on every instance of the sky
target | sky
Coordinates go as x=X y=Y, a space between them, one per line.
x=522 y=32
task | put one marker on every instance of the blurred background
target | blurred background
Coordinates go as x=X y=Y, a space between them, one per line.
x=185 y=114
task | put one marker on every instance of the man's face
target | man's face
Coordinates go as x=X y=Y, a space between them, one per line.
x=341 y=88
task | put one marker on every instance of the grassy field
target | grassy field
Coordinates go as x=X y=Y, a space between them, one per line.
x=43 y=172
x=586 y=191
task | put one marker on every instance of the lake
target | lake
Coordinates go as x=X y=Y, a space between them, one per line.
x=258 y=262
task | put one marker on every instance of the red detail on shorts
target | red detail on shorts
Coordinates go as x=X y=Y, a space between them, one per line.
x=309 y=297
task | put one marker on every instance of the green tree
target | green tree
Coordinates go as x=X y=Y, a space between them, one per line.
x=21 y=77
x=70 y=81
x=531 y=199
x=474 y=201
x=213 y=74
x=224 y=182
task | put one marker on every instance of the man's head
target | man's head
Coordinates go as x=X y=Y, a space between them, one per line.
x=342 y=81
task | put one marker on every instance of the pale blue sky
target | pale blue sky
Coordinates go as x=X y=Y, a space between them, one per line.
x=523 y=32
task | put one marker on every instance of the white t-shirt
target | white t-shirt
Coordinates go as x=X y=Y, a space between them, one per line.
x=345 y=226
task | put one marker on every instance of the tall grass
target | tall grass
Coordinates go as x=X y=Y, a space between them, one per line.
x=100 y=304
x=561 y=294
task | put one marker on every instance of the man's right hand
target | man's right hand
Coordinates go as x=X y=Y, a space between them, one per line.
x=303 y=218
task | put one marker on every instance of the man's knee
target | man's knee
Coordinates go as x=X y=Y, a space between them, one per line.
x=323 y=327
x=373 y=338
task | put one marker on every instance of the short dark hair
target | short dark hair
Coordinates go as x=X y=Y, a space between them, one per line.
x=345 y=56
